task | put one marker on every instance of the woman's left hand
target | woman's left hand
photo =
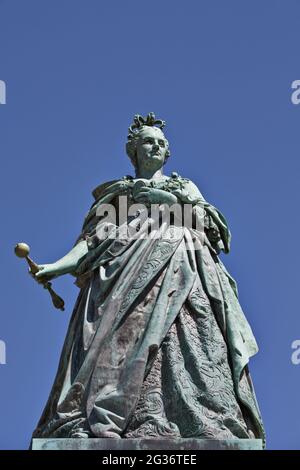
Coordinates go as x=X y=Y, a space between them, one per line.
x=155 y=196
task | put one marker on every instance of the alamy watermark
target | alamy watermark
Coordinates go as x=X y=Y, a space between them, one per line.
x=150 y=221
x=2 y=92
x=295 y=357
x=295 y=346
x=2 y=352
x=295 y=96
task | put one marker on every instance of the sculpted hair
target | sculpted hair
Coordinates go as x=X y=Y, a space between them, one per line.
x=140 y=123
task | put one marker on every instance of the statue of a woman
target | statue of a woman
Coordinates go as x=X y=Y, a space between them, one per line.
x=157 y=345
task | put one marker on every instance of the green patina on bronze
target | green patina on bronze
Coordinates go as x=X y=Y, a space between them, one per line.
x=158 y=345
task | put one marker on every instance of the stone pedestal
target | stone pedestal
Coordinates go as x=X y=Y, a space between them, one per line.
x=146 y=444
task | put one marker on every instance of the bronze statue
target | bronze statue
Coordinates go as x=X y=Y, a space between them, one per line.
x=158 y=345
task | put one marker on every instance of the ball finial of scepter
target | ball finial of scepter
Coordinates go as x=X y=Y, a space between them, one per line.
x=22 y=250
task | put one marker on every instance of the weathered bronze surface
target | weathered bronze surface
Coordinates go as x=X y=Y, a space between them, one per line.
x=158 y=345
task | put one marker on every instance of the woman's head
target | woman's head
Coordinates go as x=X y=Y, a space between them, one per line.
x=147 y=145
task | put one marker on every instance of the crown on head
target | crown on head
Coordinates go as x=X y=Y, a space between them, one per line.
x=140 y=121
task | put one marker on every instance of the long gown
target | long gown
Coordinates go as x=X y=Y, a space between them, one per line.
x=157 y=345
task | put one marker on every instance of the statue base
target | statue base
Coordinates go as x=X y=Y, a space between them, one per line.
x=146 y=444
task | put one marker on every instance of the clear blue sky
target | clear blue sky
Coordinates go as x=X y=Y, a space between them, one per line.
x=220 y=73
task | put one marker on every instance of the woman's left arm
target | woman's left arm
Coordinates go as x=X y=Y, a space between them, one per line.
x=65 y=265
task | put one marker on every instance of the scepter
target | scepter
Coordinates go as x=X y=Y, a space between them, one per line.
x=22 y=251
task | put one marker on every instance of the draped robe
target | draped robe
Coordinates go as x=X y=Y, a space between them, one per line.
x=157 y=344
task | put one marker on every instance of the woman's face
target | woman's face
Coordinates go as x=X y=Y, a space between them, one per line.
x=151 y=149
